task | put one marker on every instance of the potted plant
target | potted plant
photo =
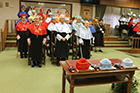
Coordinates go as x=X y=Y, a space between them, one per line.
x=122 y=87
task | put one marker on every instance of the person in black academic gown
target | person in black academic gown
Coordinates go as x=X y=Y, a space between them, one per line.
x=21 y=29
x=123 y=23
x=62 y=36
x=36 y=39
x=85 y=37
x=99 y=35
x=131 y=26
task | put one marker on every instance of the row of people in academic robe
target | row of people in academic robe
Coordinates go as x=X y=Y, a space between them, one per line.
x=131 y=26
x=33 y=35
x=86 y=34
x=134 y=30
x=47 y=16
x=124 y=22
x=36 y=33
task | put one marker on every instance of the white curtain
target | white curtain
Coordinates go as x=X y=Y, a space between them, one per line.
x=111 y=16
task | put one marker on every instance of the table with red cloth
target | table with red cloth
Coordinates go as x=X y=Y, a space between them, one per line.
x=95 y=77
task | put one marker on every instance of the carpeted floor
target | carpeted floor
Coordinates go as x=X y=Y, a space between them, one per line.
x=17 y=77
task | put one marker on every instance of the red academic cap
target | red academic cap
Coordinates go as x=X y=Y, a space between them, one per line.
x=82 y=64
x=23 y=15
x=40 y=14
x=59 y=11
x=67 y=12
x=131 y=18
x=49 y=10
x=42 y=8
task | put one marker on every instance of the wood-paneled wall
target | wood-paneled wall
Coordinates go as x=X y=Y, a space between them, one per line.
x=78 y=1
x=119 y=3
x=122 y=3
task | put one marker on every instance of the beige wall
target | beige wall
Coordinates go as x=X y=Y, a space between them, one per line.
x=11 y=11
x=8 y=12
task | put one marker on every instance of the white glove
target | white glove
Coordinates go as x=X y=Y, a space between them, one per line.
x=18 y=37
x=48 y=37
x=103 y=32
x=138 y=33
x=44 y=41
x=121 y=23
x=93 y=40
x=81 y=41
x=133 y=24
x=29 y=41
x=101 y=29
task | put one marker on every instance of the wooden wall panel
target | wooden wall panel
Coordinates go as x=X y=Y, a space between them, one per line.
x=78 y=1
x=122 y=3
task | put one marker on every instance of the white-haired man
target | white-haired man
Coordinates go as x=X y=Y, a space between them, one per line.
x=62 y=36
x=36 y=38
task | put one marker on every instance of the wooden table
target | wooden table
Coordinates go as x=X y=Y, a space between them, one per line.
x=95 y=78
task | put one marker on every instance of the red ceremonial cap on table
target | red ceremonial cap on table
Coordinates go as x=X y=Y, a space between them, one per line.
x=82 y=64
x=23 y=15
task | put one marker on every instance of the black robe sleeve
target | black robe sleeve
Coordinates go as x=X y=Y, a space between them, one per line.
x=98 y=29
x=103 y=28
x=28 y=33
x=18 y=32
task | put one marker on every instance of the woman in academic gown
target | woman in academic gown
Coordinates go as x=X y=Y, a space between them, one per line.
x=49 y=18
x=99 y=35
x=21 y=29
x=85 y=37
x=67 y=15
x=123 y=23
x=62 y=37
x=48 y=11
x=58 y=15
x=131 y=26
x=36 y=39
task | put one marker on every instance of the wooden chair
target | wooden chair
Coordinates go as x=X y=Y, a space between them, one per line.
x=135 y=43
x=47 y=47
x=53 y=42
x=75 y=47
x=43 y=57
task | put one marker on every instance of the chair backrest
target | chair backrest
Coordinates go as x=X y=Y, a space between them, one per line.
x=107 y=26
x=53 y=39
x=135 y=43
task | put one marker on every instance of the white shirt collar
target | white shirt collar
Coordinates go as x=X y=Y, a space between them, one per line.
x=23 y=22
